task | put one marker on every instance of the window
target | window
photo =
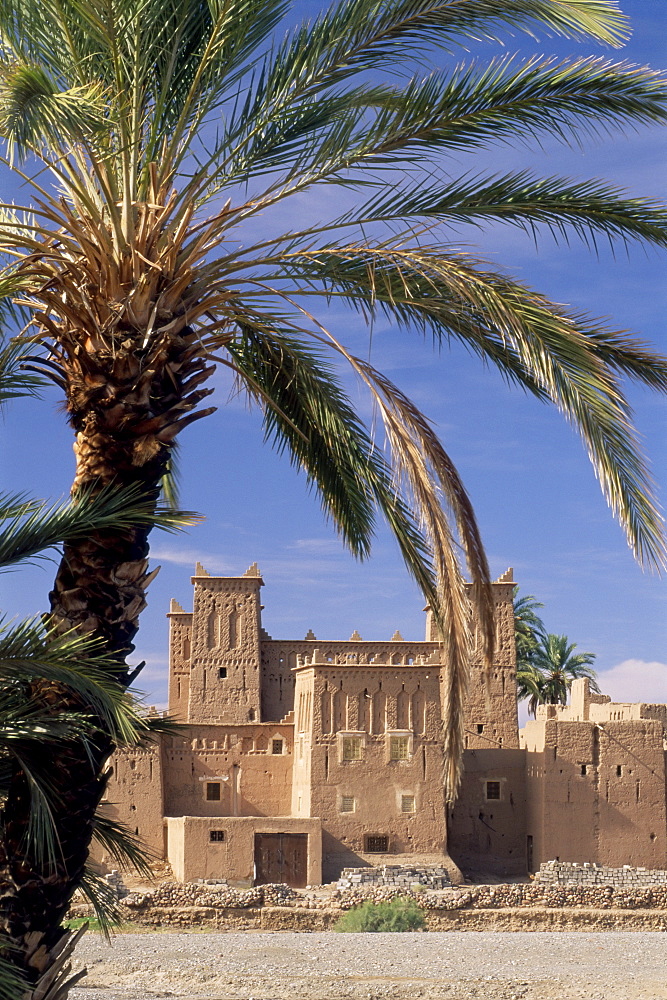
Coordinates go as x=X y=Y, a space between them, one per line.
x=277 y=746
x=351 y=748
x=398 y=748
x=583 y=770
x=492 y=790
x=480 y=728
x=407 y=803
x=619 y=770
x=347 y=804
x=222 y=672
x=216 y=836
x=377 y=845
x=212 y=791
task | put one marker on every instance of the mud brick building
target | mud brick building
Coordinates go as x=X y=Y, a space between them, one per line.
x=304 y=757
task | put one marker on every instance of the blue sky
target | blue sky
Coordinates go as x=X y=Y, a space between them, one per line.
x=536 y=497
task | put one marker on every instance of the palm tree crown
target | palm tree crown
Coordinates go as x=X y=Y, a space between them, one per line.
x=554 y=665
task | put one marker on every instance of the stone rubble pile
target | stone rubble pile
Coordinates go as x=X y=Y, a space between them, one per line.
x=115 y=880
x=566 y=872
x=394 y=875
x=600 y=897
x=538 y=893
x=211 y=893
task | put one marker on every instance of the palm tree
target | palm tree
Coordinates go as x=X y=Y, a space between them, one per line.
x=553 y=667
x=528 y=628
x=151 y=132
x=528 y=631
x=57 y=690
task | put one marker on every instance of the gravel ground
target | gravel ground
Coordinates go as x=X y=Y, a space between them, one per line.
x=328 y=966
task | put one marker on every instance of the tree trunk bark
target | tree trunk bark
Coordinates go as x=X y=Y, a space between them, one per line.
x=126 y=408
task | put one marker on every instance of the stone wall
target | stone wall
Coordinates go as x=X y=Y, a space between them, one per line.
x=570 y=873
x=394 y=875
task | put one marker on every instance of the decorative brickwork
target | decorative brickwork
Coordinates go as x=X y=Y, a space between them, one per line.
x=301 y=758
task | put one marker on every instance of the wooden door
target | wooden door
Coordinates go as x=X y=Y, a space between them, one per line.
x=281 y=857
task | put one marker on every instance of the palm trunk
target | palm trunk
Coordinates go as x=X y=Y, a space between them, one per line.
x=125 y=423
x=53 y=966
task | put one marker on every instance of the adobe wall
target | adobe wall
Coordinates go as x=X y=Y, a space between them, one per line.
x=180 y=652
x=134 y=796
x=194 y=855
x=281 y=657
x=489 y=834
x=373 y=796
x=596 y=791
x=225 y=655
x=491 y=704
x=254 y=781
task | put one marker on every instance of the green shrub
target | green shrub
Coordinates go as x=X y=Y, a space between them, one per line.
x=398 y=915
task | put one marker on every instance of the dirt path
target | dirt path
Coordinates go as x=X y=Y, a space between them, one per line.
x=328 y=966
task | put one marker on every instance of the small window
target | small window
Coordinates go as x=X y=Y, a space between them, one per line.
x=352 y=748
x=480 y=728
x=619 y=770
x=347 y=804
x=377 y=845
x=277 y=746
x=222 y=673
x=216 y=836
x=583 y=770
x=398 y=748
x=407 y=803
x=493 y=790
x=212 y=791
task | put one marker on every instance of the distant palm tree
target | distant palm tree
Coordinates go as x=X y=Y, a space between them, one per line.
x=554 y=665
x=528 y=627
x=528 y=631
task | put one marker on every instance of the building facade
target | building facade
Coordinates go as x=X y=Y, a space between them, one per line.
x=301 y=757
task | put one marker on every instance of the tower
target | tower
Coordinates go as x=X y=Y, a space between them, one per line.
x=224 y=683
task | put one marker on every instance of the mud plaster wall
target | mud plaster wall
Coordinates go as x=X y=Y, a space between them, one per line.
x=253 y=780
x=225 y=657
x=596 y=793
x=373 y=795
x=134 y=796
x=193 y=855
x=490 y=834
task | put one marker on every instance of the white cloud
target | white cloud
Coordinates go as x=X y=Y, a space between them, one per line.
x=188 y=557
x=636 y=680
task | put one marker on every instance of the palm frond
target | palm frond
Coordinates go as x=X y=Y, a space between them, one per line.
x=103 y=898
x=306 y=412
x=534 y=342
x=586 y=209
x=507 y=100
x=34 y=110
x=13 y=983
x=171 y=480
x=16 y=380
x=31 y=650
x=336 y=444
x=122 y=845
x=34 y=529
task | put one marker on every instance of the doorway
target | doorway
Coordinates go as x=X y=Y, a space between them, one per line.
x=281 y=857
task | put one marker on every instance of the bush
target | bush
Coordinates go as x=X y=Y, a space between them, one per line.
x=398 y=915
